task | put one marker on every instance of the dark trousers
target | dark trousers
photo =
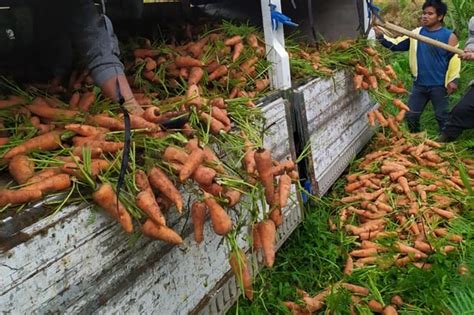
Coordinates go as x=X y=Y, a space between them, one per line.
x=420 y=95
x=462 y=116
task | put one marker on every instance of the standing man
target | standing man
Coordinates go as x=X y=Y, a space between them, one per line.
x=435 y=70
x=462 y=115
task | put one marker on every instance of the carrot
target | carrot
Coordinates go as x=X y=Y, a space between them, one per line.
x=284 y=189
x=221 y=115
x=204 y=176
x=195 y=75
x=74 y=100
x=267 y=233
x=161 y=232
x=400 y=116
x=21 y=168
x=371 y=117
x=263 y=162
x=51 y=184
x=187 y=62
x=404 y=183
x=152 y=114
x=353 y=186
x=11 y=101
x=276 y=215
x=218 y=102
x=150 y=64
x=217 y=73
x=215 y=125
x=367 y=252
x=45 y=142
x=193 y=97
x=40 y=108
x=390 y=72
x=86 y=101
x=233 y=40
x=105 y=146
x=232 y=196
x=144 y=52
x=160 y=181
x=240 y=267
x=192 y=163
x=20 y=196
x=142 y=182
x=106 y=198
x=261 y=84
x=238 y=48
x=409 y=250
x=381 y=75
x=42 y=128
x=365 y=85
x=392 y=88
x=213 y=189
x=382 y=121
x=362 y=70
x=375 y=306
x=138 y=122
x=42 y=175
x=357 y=80
x=145 y=200
x=399 y=104
x=372 y=80
x=356 y=289
x=397 y=300
x=4 y=140
x=103 y=120
x=256 y=241
x=443 y=213
x=389 y=310
x=349 y=266
x=196 y=48
x=221 y=222
x=86 y=130
x=424 y=247
x=198 y=216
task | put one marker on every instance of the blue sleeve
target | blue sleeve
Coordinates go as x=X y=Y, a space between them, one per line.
x=402 y=46
x=93 y=36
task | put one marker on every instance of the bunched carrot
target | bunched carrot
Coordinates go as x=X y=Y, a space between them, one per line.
x=21 y=168
x=267 y=234
x=240 y=267
x=44 y=142
x=106 y=198
x=191 y=164
x=146 y=201
x=263 y=161
x=20 y=196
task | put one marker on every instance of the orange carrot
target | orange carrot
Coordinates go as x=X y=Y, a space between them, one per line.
x=238 y=48
x=232 y=196
x=261 y=84
x=196 y=48
x=399 y=104
x=349 y=266
x=375 y=306
x=382 y=121
x=86 y=130
x=357 y=80
x=144 y=52
x=106 y=198
x=152 y=114
x=11 y=101
x=356 y=289
x=145 y=200
x=409 y=250
x=381 y=75
x=215 y=125
x=218 y=102
x=366 y=252
x=74 y=100
x=86 y=101
x=161 y=232
x=240 y=267
x=395 y=89
x=105 y=146
x=267 y=233
x=233 y=40
x=187 y=62
x=160 y=181
x=193 y=96
x=142 y=182
x=371 y=117
x=390 y=72
x=217 y=73
x=221 y=115
x=21 y=168
x=256 y=241
x=263 y=162
x=221 y=222
x=195 y=75
x=389 y=310
x=372 y=80
x=44 y=142
x=40 y=108
x=362 y=70
x=191 y=164
x=105 y=121
x=150 y=64
x=20 y=196
x=4 y=140
x=284 y=189
x=198 y=216
x=400 y=116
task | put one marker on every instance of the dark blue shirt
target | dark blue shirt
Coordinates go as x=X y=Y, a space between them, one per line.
x=432 y=61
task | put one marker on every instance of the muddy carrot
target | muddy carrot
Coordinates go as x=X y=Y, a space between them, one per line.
x=194 y=160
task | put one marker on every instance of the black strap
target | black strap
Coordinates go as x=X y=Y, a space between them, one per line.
x=126 y=147
x=311 y=19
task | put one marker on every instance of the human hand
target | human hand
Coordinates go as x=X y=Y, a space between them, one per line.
x=467 y=55
x=451 y=88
